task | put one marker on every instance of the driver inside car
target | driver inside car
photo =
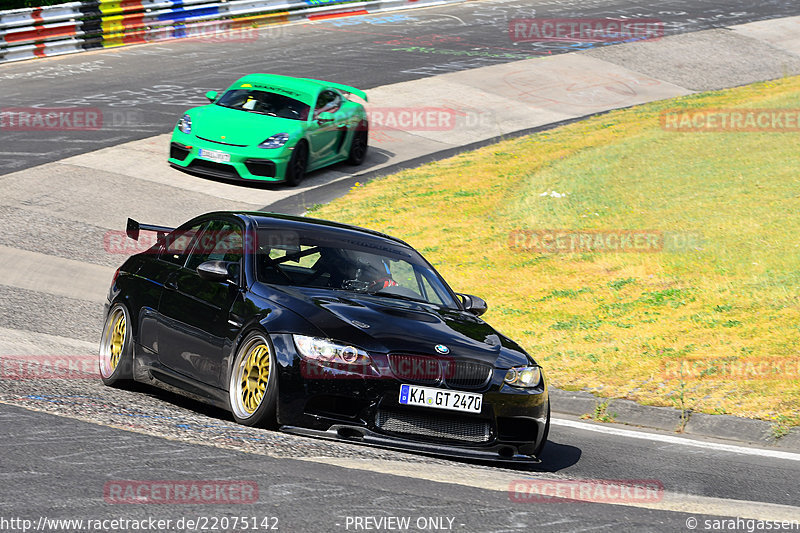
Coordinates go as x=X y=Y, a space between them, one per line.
x=383 y=280
x=361 y=274
x=377 y=272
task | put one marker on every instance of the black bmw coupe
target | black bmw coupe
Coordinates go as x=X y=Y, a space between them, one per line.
x=322 y=329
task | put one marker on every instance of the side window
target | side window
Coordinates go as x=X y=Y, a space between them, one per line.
x=430 y=292
x=178 y=244
x=403 y=274
x=328 y=101
x=220 y=241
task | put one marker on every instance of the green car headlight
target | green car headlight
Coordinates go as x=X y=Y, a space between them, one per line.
x=185 y=124
x=276 y=141
x=524 y=376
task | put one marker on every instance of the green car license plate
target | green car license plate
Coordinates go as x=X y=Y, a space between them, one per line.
x=215 y=155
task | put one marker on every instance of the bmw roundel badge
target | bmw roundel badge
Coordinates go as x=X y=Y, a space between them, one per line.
x=442 y=349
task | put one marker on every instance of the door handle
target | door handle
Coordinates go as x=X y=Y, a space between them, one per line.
x=171 y=283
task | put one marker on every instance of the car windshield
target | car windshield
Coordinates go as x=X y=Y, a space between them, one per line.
x=264 y=103
x=350 y=262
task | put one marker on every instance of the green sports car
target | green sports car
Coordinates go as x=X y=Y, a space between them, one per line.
x=274 y=128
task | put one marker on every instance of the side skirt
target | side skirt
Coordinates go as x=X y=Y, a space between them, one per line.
x=149 y=371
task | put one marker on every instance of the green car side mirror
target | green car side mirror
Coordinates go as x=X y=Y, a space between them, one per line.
x=325 y=117
x=211 y=95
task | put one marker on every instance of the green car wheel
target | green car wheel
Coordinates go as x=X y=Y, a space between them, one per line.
x=358 y=147
x=296 y=170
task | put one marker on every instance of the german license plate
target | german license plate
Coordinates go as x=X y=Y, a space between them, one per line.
x=440 y=399
x=215 y=155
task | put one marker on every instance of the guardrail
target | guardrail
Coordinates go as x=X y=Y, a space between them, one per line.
x=91 y=24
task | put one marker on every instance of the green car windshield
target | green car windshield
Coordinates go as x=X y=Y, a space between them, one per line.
x=264 y=103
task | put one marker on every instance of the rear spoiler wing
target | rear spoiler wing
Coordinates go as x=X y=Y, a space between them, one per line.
x=344 y=88
x=133 y=228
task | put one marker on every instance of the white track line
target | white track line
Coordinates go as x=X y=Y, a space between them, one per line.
x=671 y=439
x=504 y=481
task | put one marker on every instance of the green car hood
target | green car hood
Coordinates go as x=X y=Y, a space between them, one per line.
x=233 y=126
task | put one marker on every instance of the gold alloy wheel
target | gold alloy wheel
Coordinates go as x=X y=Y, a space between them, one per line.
x=112 y=345
x=255 y=377
x=117 y=341
x=250 y=377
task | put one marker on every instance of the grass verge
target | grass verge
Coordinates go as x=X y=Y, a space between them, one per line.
x=674 y=326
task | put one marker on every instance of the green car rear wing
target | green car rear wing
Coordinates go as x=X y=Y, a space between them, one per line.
x=344 y=88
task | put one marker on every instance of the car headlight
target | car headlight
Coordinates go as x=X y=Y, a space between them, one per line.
x=276 y=141
x=185 y=124
x=326 y=351
x=523 y=376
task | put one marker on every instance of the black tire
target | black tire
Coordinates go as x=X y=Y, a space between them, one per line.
x=296 y=168
x=116 y=347
x=250 y=405
x=538 y=451
x=359 y=145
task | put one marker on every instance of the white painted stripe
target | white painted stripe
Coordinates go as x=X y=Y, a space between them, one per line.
x=54 y=275
x=672 y=439
x=503 y=480
x=17 y=342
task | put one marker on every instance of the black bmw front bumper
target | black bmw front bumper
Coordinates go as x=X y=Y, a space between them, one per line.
x=358 y=435
x=365 y=409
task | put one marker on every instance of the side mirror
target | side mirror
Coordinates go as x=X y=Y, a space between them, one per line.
x=473 y=304
x=215 y=270
x=325 y=117
x=211 y=95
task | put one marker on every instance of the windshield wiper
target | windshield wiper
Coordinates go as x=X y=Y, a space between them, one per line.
x=399 y=296
x=241 y=109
